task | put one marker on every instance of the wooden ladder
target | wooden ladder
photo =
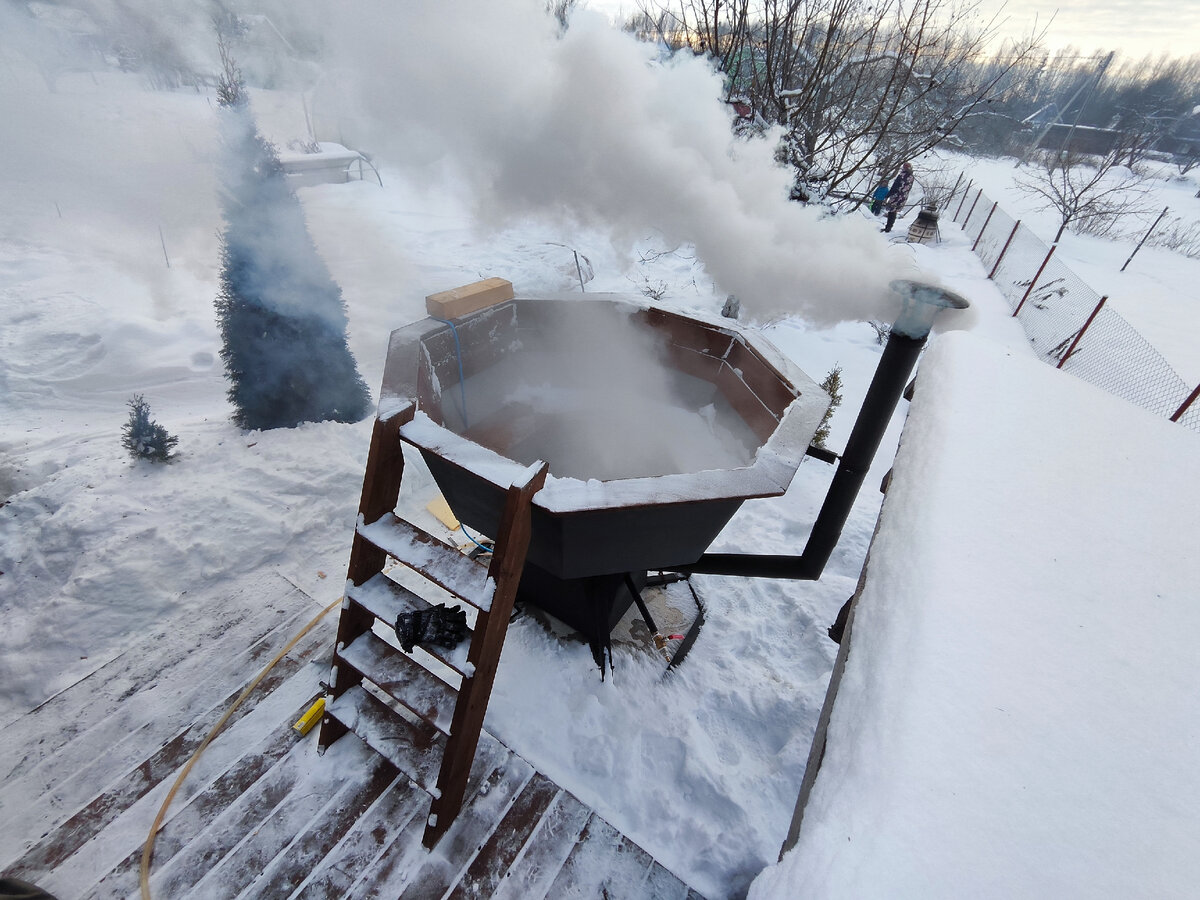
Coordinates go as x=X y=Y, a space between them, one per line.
x=401 y=704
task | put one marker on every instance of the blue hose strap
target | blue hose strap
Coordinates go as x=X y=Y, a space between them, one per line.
x=463 y=529
x=461 y=377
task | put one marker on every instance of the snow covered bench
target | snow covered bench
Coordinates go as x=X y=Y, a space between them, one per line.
x=332 y=164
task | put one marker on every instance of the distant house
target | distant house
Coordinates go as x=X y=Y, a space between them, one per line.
x=1048 y=113
x=1183 y=139
x=1080 y=139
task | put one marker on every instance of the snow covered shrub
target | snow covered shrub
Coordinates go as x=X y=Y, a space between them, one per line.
x=655 y=290
x=142 y=436
x=281 y=315
x=832 y=385
x=1178 y=235
x=938 y=182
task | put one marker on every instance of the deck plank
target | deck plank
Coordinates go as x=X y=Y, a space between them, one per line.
x=496 y=773
x=497 y=854
x=603 y=863
x=59 y=786
x=180 y=829
x=226 y=831
x=534 y=870
x=368 y=838
x=275 y=848
x=89 y=821
x=297 y=860
x=261 y=813
x=474 y=825
x=127 y=833
x=662 y=884
x=236 y=619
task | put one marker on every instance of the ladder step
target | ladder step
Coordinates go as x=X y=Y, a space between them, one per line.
x=440 y=563
x=386 y=599
x=403 y=679
x=416 y=750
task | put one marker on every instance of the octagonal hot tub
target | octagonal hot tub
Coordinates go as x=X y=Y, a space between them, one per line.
x=656 y=428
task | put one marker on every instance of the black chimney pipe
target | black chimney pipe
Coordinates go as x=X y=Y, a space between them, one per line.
x=907 y=338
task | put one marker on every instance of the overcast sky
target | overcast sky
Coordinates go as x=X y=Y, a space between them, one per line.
x=1134 y=27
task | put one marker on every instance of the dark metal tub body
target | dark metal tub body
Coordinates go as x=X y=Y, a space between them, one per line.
x=585 y=528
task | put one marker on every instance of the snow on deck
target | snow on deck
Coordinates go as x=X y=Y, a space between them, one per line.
x=261 y=814
x=1018 y=714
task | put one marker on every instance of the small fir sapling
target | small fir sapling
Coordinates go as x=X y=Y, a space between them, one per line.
x=143 y=437
x=832 y=385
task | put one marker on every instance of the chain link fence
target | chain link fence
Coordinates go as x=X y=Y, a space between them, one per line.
x=1066 y=321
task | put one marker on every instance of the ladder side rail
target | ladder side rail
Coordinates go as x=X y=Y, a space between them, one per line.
x=380 y=493
x=508 y=561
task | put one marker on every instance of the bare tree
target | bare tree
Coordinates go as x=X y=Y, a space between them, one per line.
x=859 y=85
x=938 y=181
x=561 y=10
x=1091 y=196
x=1187 y=160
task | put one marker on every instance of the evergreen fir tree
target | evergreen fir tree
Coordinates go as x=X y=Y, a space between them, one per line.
x=832 y=385
x=281 y=315
x=143 y=437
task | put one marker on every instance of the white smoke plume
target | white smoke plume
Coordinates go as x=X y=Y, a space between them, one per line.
x=589 y=126
x=586 y=126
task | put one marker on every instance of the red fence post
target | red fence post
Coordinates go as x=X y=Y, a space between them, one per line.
x=1144 y=237
x=1186 y=403
x=966 y=193
x=945 y=204
x=971 y=210
x=1086 y=326
x=1029 y=291
x=991 y=212
x=1012 y=234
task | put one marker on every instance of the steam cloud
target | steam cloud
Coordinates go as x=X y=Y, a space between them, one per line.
x=587 y=127
x=593 y=393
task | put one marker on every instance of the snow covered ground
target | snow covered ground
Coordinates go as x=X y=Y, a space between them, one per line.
x=106 y=183
x=1155 y=292
x=1017 y=716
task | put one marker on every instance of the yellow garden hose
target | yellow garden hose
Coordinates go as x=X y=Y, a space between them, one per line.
x=148 y=851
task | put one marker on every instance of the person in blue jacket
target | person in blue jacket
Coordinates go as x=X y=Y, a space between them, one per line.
x=878 y=196
x=897 y=194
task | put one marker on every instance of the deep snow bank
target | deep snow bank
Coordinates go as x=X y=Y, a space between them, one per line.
x=1018 y=713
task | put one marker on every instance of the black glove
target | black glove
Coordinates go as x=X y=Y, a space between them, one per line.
x=440 y=625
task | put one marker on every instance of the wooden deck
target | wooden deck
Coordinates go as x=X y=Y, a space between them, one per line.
x=261 y=814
